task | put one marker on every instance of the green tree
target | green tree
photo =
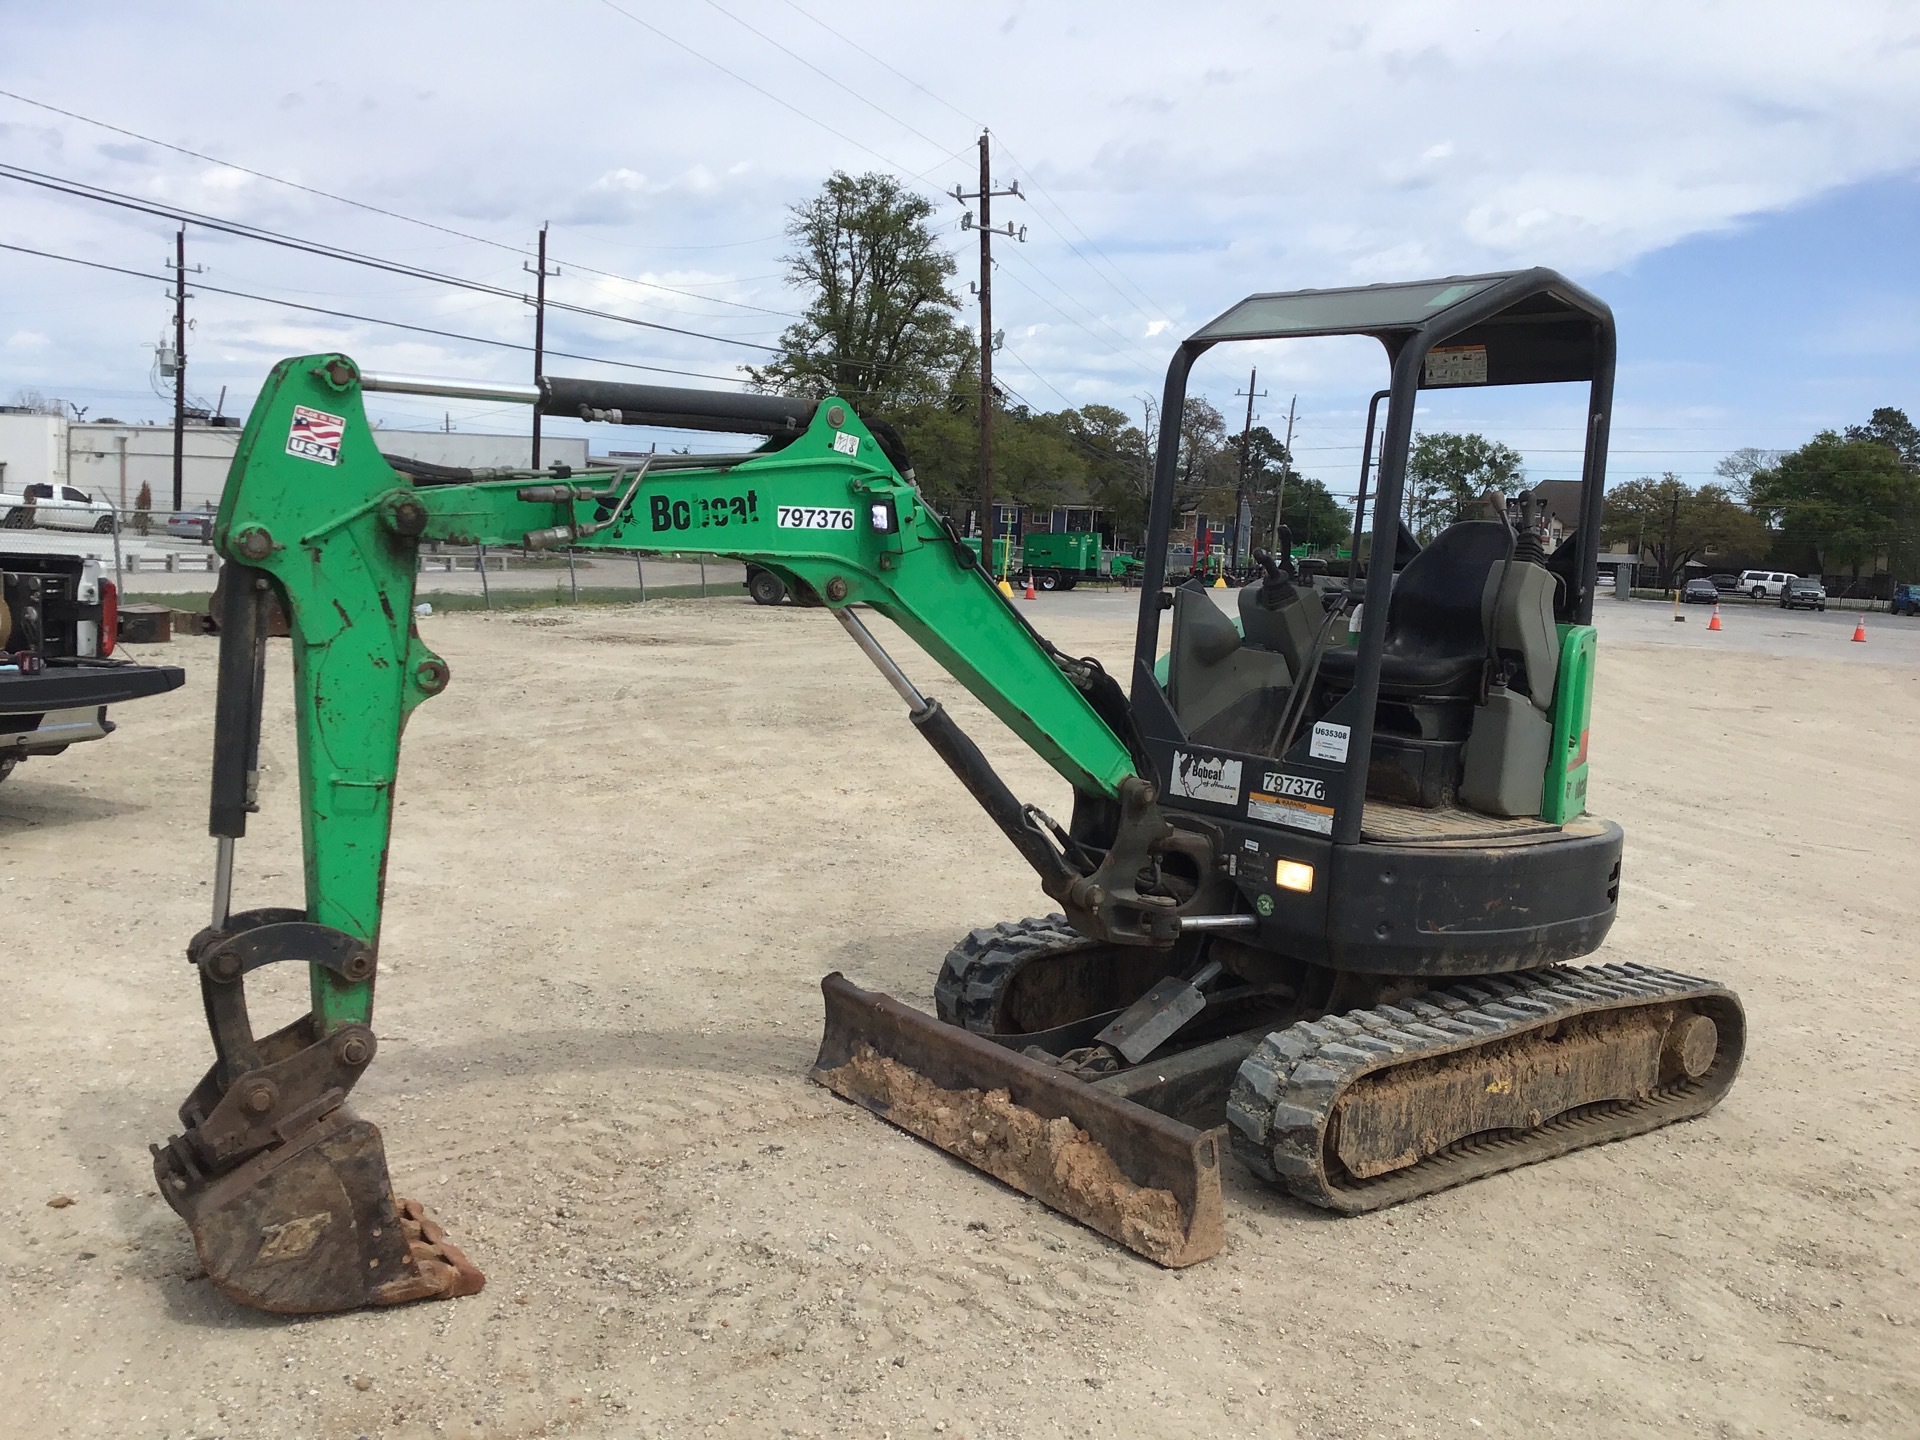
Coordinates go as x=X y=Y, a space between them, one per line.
x=1208 y=461
x=1316 y=517
x=1033 y=460
x=1837 y=499
x=879 y=324
x=1676 y=522
x=1446 y=473
x=1270 y=481
x=1891 y=428
x=1114 y=453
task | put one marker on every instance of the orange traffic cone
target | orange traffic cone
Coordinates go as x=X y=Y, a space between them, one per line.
x=1714 y=623
x=1029 y=594
x=1860 y=630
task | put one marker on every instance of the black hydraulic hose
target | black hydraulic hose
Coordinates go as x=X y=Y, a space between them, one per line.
x=245 y=597
x=963 y=757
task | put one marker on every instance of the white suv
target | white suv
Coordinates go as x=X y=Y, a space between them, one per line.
x=1764 y=584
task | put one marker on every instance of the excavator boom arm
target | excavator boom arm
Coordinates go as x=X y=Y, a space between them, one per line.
x=311 y=503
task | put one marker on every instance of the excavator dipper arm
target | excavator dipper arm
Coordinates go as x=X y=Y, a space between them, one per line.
x=286 y=1192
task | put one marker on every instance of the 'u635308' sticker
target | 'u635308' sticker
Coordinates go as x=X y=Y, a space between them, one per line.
x=810 y=517
x=315 y=435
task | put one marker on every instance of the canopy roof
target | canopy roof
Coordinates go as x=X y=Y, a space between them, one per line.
x=1511 y=328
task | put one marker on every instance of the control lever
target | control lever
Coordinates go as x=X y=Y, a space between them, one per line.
x=1276 y=589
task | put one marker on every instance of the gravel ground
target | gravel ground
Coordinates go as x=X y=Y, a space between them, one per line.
x=631 y=840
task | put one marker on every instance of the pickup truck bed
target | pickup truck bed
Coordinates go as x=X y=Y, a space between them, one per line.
x=55 y=685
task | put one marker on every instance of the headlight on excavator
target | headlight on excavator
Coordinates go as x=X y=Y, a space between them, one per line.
x=1293 y=875
x=885 y=520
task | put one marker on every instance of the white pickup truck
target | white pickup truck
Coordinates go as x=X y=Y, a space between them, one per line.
x=55 y=507
x=57 y=677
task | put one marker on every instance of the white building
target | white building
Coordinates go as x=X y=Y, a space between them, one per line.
x=111 y=459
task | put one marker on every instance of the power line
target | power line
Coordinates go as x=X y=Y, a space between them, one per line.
x=397 y=215
x=838 y=84
x=852 y=44
x=1152 y=306
x=1125 y=348
x=102 y=195
x=368 y=319
x=649 y=26
x=894 y=70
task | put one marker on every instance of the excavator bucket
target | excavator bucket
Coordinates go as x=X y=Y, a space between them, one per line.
x=312 y=1226
x=284 y=1188
x=1135 y=1175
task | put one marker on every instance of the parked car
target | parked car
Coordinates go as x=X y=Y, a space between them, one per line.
x=55 y=507
x=1765 y=584
x=1906 y=600
x=1700 y=592
x=1800 y=594
x=191 y=525
x=1724 y=583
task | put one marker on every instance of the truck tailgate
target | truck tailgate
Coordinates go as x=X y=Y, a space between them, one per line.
x=71 y=684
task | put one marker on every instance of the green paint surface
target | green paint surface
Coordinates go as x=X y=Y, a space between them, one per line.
x=806 y=510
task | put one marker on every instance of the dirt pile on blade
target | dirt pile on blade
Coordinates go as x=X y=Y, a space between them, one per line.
x=1054 y=1161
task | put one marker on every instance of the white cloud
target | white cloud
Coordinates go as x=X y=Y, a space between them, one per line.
x=1236 y=151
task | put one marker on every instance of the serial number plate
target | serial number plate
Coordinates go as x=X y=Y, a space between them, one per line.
x=808 y=517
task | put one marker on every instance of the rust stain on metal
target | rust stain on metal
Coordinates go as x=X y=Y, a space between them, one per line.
x=1054 y=1160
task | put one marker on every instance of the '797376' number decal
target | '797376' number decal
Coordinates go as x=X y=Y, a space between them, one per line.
x=809 y=517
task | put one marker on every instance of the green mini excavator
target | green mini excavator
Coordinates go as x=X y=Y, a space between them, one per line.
x=1328 y=855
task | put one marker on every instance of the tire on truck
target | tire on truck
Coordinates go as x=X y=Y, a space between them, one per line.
x=764 y=586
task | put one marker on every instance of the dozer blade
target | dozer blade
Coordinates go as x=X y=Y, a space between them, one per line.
x=311 y=1226
x=1133 y=1174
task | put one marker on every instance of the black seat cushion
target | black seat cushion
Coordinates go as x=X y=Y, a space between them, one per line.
x=1436 y=639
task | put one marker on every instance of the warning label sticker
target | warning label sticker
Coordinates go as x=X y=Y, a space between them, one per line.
x=315 y=435
x=1300 y=814
x=1206 y=777
x=1457 y=365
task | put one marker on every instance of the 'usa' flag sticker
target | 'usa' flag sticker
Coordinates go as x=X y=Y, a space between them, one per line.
x=315 y=435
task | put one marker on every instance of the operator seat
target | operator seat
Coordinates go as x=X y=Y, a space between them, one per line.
x=1436 y=641
x=1431 y=665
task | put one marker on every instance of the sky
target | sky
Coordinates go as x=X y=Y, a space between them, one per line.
x=1741 y=182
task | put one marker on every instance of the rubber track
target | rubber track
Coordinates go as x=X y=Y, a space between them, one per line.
x=978 y=969
x=1286 y=1089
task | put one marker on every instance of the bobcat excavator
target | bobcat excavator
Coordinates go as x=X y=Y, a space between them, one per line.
x=1325 y=865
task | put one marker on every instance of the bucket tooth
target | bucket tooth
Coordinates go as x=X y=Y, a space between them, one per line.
x=1133 y=1174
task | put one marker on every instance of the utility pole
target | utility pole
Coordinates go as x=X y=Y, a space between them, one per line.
x=541 y=273
x=1286 y=469
x=985 y=195
x=180 y=367
x=1147 y=445
x=1246 y=455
